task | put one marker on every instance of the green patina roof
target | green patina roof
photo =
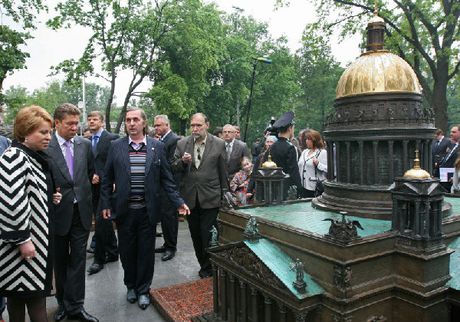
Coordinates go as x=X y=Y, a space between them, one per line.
x=279 y=263
x=303 y=216
x=454 y=268
x=455 y=202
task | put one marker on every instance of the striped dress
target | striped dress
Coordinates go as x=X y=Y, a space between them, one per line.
x=24 y=214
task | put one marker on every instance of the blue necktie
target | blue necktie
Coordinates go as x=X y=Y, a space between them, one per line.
x=94 y=143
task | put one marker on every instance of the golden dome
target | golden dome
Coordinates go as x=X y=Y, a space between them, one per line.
x=269 y=164
x=378 y=72
x=417 y=172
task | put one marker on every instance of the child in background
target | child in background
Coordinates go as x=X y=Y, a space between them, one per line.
x=240 y=182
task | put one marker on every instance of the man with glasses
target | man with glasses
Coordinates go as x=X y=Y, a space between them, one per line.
x=235 y=150
x=201 y=159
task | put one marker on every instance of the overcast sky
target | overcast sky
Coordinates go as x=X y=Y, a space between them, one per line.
x=49 y=47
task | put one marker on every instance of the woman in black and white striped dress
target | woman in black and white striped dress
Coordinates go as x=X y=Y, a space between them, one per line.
x=26 y=193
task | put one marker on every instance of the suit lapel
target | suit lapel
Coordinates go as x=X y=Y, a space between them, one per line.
x=150 y=155
x=58 y=157
x=234 y=149
x=99 y=143
x=124 y=154
x=79 y=156
x=207 y=149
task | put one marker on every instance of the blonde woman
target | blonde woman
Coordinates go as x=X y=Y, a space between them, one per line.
x=26 y=195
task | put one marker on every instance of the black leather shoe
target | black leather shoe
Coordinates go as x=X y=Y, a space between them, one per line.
x=131 y=296
x=205 y=273
x=95 y=268
x=60 y=314
x=83 y=316
x=169 y=254
x=161 y=249
x=143 y=301
x=110 y=259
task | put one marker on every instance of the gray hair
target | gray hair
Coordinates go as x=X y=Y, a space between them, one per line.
x=164 y=117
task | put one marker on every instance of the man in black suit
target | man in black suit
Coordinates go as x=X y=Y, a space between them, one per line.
x=235 y=150
x=169 y=218
x=137 y=167
x=71 y=164
x=106 y=249
x=439 y=150
x=452 y=153
x=201 y=159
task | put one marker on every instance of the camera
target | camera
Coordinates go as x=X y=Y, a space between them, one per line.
x=270 y=130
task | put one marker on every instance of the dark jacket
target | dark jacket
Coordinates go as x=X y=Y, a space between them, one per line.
x=239 y=150
x=157 y=174
x=285 y=156
x=79 y=188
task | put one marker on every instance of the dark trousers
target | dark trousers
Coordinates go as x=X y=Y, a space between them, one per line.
x=200 y=222
x=169 y=224
x=104 y=235
x=136 y=244
x=69 y=265
x=2 y=306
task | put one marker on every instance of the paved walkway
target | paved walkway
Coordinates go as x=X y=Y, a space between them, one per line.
x=106 y=293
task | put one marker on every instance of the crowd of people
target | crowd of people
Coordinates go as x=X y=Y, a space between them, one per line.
x=53 y=183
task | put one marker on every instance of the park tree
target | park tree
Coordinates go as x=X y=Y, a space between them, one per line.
x=319 y=74
x=52 y=95
x=110 y=22
x=230 y=83
x=21 y=14
x=189 y=55
x=251 y=57
x=426 y=33
x=276 y=89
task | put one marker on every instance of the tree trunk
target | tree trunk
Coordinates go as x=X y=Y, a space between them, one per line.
x=439 y=104
x=121 y=117
x=108 y=107
x=439 y=96
x=183 y=126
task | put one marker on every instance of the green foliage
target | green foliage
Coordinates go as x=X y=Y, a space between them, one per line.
x=11 y=55
x=52 y=95
x=319 y=74
x=16 y=97
x=22 y=11
x=189 y=53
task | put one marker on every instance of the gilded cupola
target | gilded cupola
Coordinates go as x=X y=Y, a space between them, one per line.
x=377 y=71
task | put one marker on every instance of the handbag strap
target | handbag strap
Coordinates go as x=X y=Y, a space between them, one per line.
x=316 y=166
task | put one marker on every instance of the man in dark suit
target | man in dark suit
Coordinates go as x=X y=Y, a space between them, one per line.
x=235 y=150
x=137 y=167
x=452 y=153
x=169 y=218
x=106 y=249
x=439 y=150
x=201 y=158
x=71 y=163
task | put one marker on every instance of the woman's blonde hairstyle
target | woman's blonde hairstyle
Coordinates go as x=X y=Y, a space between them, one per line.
x=28 y=120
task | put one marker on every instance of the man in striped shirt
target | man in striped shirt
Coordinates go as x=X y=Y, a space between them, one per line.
x=137 y=167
